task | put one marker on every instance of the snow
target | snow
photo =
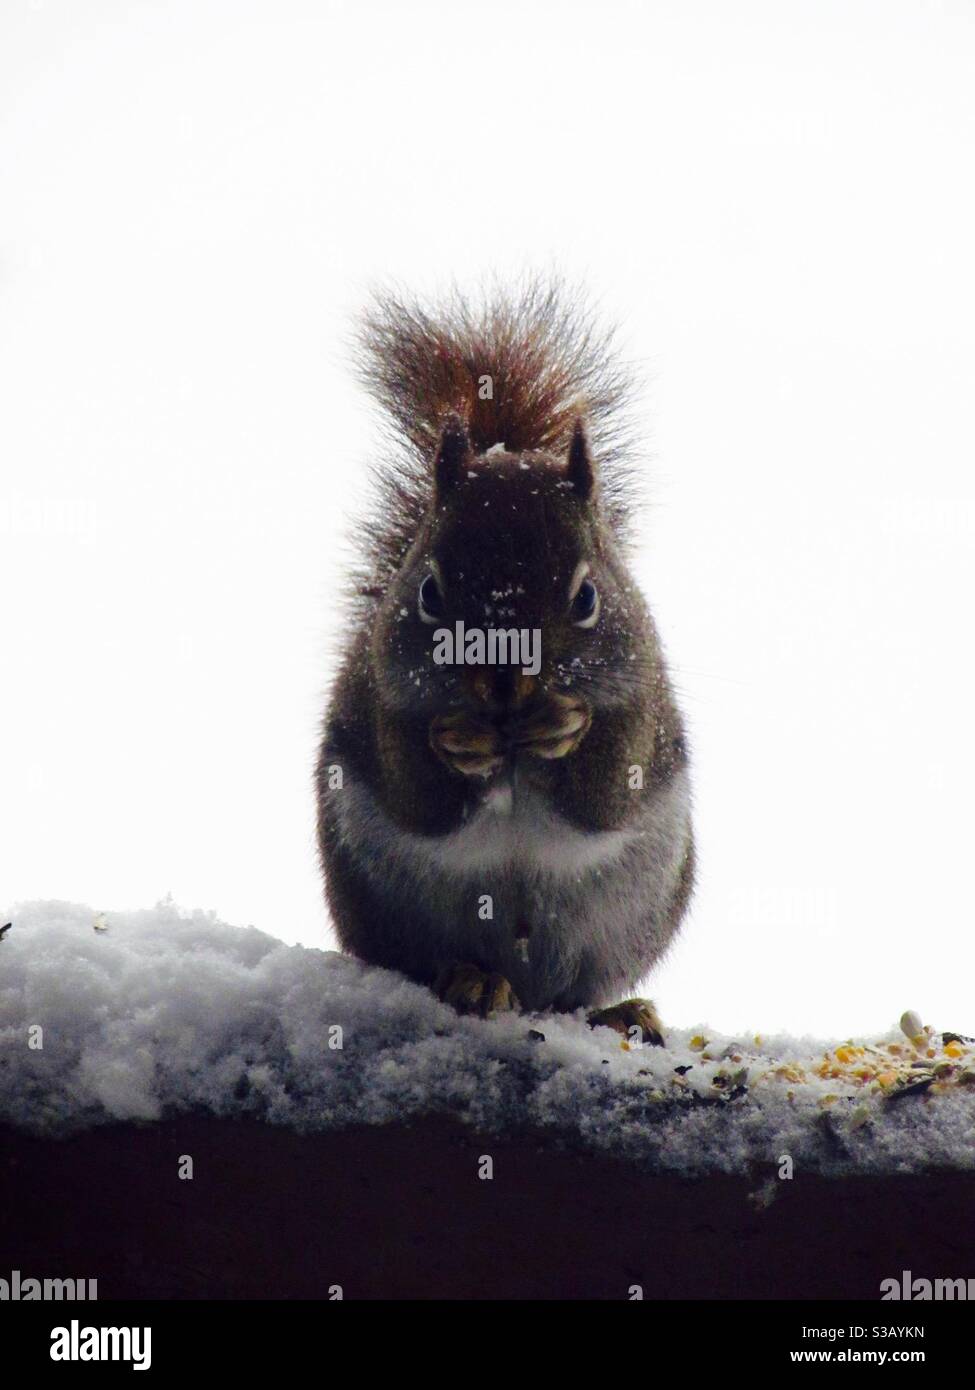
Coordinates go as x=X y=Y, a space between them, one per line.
x=144 y=1013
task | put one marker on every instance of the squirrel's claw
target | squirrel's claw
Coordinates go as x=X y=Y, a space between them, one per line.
x=469 y=744
x=628 y=1015
x=466 y=743
x=470 y=990
x=556 y=728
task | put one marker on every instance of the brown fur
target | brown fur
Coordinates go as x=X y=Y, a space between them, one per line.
x=427 y=751
x=550 y=364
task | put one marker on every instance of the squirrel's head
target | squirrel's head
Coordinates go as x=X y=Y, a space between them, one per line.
x=512 y=543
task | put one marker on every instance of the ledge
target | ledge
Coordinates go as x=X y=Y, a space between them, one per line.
x=171 y=1035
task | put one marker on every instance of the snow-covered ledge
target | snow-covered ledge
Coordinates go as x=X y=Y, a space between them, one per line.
x=136 y=1016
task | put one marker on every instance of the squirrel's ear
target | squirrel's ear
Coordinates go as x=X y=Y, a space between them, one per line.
x=580 y=470
x=452 y=453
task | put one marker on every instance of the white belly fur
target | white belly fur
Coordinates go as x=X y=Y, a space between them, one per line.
x=594 y=900
x=504 y=832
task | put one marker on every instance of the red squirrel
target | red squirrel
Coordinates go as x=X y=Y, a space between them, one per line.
x=513 y=832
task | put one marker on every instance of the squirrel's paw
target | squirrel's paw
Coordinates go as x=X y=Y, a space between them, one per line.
x=628 y=1015
x=473 y=991
x=466 y=743
x=555 y=728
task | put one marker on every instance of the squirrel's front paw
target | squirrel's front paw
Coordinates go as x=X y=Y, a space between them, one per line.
x=466 y=743
x=555 y=728
x=473 y=991
x=628 y=1015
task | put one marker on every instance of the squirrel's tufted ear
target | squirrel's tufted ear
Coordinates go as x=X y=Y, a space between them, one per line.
x=580 y=471
x=452 y=453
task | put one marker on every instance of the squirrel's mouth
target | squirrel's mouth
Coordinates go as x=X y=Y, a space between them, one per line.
x=504 y=690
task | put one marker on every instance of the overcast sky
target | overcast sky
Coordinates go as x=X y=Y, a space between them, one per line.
x=776 y=202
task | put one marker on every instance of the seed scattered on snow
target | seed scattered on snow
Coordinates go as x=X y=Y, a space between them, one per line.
x=911 y=1026
x=897 y=1109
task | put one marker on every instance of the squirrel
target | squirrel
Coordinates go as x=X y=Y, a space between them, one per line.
x=515 y=835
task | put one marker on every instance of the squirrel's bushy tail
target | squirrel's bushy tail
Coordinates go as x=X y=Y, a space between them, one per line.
x=547 y=362
x=546 y=359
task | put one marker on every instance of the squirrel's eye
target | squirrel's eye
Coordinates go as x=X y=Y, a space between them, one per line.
x=585 y=605
x=430 y=600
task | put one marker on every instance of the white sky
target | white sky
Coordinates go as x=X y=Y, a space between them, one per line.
x=776 y=200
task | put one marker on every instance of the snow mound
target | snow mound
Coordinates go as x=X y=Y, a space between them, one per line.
x=144 y=1013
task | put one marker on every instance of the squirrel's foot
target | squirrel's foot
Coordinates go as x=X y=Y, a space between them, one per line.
x=473 y=991
x=555 y=728
x=630 y=1014
x=466 y=743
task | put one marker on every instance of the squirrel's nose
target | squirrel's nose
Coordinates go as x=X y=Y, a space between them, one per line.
x=504 y=687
